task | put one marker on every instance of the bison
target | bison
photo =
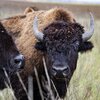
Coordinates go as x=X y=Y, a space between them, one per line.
x=10 y=58
x=54 y=35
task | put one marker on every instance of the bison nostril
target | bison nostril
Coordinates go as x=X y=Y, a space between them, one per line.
x=53 y=72
x=66 y=72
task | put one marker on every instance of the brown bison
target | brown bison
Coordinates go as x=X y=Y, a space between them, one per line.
x=55 y=35
x=10 y=58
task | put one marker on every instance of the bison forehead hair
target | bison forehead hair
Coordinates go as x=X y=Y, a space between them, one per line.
x=63 y=31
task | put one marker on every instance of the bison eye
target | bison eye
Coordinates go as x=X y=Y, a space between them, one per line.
x=40 y=46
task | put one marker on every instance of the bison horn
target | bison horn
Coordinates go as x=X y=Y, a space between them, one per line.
x=87 y=35
x=37 y=33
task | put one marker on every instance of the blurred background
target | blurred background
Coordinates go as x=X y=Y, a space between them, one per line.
x=69 y=1
x=85 y=83
x=12 y=7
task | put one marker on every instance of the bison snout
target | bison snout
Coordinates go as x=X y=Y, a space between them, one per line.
x=60 y=71
x=19 y=61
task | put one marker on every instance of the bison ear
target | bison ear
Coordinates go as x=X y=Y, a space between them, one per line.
x=40 y=46
x=30 y=9
x=85 y=46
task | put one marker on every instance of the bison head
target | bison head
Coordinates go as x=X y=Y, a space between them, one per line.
x=61 y=41
x=10 y=58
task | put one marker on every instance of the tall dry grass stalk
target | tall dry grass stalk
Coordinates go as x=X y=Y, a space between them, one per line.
x=21 y=81
x=49 y=95
x=47 y=85
x=38 y=82
x=30 y=87
x=8 y=85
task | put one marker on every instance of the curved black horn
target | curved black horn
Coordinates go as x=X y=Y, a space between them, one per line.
x=88 y=34
x=37 y=33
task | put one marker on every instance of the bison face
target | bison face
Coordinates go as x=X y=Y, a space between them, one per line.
x=61 y=57
x=61 y=42
x=10 y=58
